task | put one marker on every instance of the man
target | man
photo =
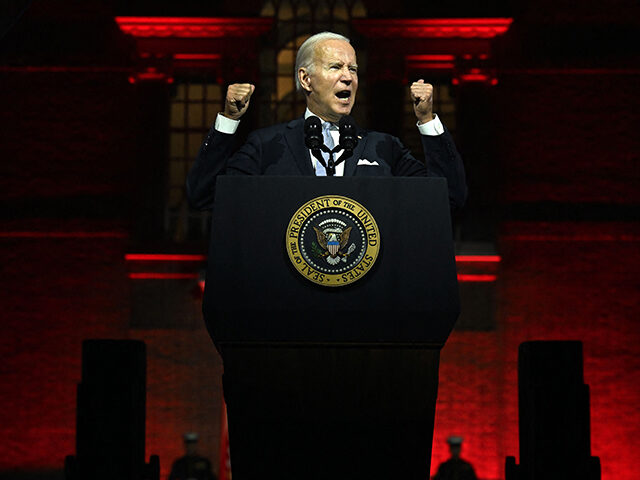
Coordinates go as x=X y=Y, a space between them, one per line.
x=455 y=468
x=327 y=74
x=192 y=466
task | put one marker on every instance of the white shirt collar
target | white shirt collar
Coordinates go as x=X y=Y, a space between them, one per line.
x=308 y=113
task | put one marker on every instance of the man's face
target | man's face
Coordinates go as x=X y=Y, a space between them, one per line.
x=332 y=83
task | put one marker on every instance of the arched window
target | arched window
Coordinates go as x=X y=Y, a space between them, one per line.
x=195 y=100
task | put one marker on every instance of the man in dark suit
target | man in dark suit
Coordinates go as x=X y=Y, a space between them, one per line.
x=191 y=466
x=455 y=468
x=327 y=74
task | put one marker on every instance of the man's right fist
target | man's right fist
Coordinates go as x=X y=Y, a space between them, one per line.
x=237 y=100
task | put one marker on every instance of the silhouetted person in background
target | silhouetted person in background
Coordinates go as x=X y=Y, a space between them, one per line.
x=455 y=468
x=192 y=466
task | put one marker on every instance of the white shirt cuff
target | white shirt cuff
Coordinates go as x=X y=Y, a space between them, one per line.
x=226 y=125
x=432 y=128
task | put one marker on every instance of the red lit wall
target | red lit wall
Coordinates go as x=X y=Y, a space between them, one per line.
x=567 y=135
x=67 y=134
x=69 y=149
x=571 y=277
x=69 y=172
x=56 y=292
x=562 y=281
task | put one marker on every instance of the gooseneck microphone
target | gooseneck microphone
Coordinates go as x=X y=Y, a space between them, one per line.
x=313 y=133
x=314 y=141
x=348 y=136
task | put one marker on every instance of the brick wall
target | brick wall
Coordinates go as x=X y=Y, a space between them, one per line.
x=569 y=164
x=61 y=285
x=558 y=281
x=70 y=172
x=569 y=137
x=69 y=166
x=55 y=293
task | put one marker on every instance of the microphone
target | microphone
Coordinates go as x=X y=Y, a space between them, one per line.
x=313 y=138
x=314 y=141
x=348 y=136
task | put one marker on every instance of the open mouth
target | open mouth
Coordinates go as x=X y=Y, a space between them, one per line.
x=343 y=94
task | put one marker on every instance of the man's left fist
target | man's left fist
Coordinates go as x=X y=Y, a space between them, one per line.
x=422 y=96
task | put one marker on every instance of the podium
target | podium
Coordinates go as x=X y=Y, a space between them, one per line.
x=330 y=381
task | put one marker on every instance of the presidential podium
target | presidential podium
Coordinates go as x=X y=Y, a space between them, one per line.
x=329 y=300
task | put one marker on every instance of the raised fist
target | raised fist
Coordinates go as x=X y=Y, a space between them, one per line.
x=422 y=96
x=237 y=100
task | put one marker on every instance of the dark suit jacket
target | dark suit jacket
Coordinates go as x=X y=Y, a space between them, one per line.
x=280 y=150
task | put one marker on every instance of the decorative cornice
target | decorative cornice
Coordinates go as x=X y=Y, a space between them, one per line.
x=431 y=62
x=193 y=27
x=434 y=27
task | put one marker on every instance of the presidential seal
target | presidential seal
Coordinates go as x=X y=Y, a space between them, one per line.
x=332 y=240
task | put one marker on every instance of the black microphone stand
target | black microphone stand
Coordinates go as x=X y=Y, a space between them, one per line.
x=314 y=141
x=330 y=166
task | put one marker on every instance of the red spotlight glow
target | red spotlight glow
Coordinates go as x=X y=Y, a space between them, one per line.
x=434 y=27
x=192 y=27
x=431 y=58
x=462 y=277
x=437 y=62
x=479 y=258
x=50 y=234
x=163 y=257
x=162 y=276
x=169 y=257
x=196 y=56
x=474 y=77
x=174 y=257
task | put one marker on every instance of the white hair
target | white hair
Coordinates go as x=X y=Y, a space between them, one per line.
x=305 y=55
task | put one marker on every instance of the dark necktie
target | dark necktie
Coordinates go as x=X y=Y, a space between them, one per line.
x=328 y=141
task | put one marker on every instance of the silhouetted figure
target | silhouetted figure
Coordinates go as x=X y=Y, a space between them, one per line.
x=455 y=468
x=192 y=466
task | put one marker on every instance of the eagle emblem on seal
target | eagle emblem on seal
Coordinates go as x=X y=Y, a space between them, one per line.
x=332 y=240
x=333 y=237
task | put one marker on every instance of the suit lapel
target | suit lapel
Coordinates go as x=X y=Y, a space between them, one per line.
x=294 y=136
